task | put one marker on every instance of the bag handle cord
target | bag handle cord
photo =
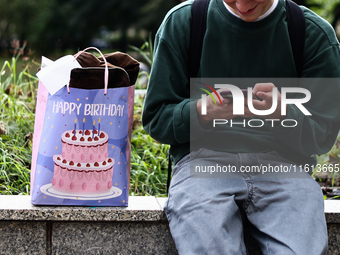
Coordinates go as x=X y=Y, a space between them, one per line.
x=106 y=72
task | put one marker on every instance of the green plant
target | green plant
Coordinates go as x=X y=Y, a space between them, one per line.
x=17 y=103
x=325 y=8
x=148 y=160
x=146 y=50
x=14 y=167
x=148 y=157
x=329 y=173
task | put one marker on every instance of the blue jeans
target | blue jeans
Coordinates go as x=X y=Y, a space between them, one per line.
x=206 y=215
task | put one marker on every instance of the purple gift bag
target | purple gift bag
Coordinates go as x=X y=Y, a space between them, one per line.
x=82 y=140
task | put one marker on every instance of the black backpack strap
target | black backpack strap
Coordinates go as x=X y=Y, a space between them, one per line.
x=169 y=174
x=297 y=30
x=199 y=10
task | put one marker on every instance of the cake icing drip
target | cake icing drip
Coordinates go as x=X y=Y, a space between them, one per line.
x=86 y=138
x=83 y=166
x=74 y=166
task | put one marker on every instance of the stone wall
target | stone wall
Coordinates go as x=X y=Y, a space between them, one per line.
x=140 y=228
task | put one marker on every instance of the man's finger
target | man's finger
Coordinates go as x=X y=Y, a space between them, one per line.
x=265 y=96
x=265 y=87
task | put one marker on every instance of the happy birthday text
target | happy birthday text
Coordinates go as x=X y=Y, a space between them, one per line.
x=88 y=109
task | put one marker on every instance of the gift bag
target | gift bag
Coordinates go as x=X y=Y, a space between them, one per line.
x=82 y=135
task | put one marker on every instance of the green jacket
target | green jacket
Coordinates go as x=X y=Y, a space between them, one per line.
x=237 y=49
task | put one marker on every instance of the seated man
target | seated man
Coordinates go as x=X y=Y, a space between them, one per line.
x=244 y=39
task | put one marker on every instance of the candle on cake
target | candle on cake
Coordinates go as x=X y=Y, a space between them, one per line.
x=94 y=122
x=75 y=126
x=99 y=127
x=83 y=126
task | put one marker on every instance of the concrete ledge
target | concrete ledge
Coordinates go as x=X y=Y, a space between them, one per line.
x=139 y=209
x=141 y=228
x=332 y=211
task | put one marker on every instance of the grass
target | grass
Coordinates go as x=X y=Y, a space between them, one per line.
x=14 y=168
x=17 y=100
x=149 y=159
x=18 y=90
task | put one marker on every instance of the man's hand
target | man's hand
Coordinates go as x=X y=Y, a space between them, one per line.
x=214 y=111
x=225 y=111
x=265 y=92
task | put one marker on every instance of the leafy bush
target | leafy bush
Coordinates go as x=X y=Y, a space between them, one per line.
x=17 y=107
x=148 y=160
x=17 y=102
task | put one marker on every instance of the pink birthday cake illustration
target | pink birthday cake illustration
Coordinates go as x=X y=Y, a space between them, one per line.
x=83 y=166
